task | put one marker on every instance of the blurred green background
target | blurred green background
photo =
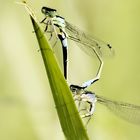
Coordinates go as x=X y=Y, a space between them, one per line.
x=27 y=110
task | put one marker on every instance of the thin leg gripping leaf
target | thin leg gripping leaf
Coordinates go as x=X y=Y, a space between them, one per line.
x=70 y=120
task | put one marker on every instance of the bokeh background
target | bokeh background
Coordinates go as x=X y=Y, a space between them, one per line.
x=27 y=110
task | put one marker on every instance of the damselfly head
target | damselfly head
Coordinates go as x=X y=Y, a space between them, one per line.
x=48 y=11
x=76 y=88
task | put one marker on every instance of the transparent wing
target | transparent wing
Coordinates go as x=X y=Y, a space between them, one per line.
x=88 y=42
x=126 y=111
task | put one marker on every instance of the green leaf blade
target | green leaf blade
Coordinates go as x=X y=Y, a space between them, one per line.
x=70 y=120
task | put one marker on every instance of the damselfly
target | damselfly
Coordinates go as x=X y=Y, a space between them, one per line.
x=126 y=111
x=90 y=45
x=69 y=31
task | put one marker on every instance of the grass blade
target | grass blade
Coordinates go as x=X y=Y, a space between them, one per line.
x=70 y=120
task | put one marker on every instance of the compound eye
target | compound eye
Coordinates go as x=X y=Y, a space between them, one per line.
x=73 y=89
x=43 y=10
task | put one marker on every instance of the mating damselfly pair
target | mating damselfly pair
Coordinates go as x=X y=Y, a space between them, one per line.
x=64 y=31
